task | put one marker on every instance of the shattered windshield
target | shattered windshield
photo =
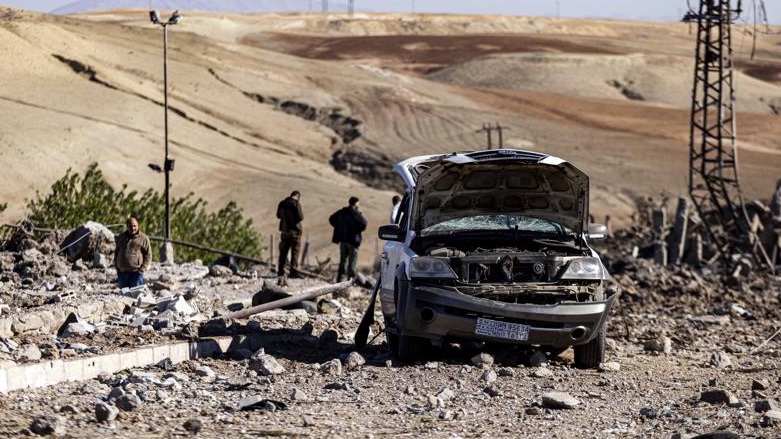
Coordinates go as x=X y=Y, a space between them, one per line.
x=496 y=222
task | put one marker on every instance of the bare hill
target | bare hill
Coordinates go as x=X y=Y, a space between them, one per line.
x=265 y=103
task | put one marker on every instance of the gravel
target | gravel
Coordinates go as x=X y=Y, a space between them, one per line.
x=688 y=354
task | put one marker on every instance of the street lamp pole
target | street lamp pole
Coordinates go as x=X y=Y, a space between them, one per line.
x=168 y=165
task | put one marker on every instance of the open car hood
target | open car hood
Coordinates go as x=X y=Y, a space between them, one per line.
x=500 y=181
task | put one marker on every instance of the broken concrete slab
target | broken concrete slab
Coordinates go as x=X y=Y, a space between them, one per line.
x=48 y=373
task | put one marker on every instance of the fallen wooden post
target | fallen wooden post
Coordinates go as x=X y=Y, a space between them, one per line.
x=305 y=295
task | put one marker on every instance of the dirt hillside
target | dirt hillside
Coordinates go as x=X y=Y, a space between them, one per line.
x=262 y=104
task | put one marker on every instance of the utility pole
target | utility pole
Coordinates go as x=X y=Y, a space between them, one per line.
x=351 y=7
x=325 y=5
x=499 y=129
x=489 y=130
x=167 y=250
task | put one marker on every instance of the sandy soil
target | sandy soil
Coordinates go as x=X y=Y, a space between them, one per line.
x=88 y=88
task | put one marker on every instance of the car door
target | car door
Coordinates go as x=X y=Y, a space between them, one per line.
x=393 y=254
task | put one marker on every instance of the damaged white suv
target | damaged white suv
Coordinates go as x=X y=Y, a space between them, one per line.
x=491 y=246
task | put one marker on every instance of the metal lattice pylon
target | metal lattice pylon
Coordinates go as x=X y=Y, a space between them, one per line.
x=713 y=172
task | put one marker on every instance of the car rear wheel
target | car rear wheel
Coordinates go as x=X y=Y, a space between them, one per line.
x=591 y=354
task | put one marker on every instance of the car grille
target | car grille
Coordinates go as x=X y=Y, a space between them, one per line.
x=516 y=294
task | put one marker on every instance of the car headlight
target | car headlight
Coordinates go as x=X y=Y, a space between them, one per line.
x=585 y=269
x=426 y=266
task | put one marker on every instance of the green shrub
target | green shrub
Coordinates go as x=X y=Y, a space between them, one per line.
x=73 y=200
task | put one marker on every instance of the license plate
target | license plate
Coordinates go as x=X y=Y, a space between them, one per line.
x=497 y=329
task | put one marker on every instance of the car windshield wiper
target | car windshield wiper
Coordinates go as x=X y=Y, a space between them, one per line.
x=567 y=241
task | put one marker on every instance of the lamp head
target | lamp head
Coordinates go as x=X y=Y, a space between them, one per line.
x=175 y=17
x=153 y=17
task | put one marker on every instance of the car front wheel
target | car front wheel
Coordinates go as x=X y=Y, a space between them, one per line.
x=391 y=337
x=591 y=354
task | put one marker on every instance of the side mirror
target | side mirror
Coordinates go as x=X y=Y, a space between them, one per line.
x=390 y=232
x=597 y=231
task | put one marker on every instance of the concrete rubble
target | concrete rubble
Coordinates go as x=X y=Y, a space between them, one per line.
x=689 y=354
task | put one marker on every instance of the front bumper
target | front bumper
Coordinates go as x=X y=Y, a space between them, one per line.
x=439 y=313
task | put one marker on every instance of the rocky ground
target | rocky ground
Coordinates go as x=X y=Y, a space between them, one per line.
x=689 y=355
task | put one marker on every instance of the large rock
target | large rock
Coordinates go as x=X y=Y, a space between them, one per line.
x=86 y=241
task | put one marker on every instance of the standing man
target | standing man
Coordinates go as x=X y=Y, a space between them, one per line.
x=132 y=255
x=290 y=216
x=348 y=223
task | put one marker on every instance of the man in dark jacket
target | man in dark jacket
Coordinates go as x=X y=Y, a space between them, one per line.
x=132 y=255
x=290 y=216
x=348 y=223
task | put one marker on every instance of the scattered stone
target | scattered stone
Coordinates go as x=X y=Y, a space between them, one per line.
x=70 y=409
x=354 y=360
x=488 y=377
x=718 y=397
x=260 y=403
x=542 y=372
x=105 y=412
x=336 y=386
x=267 y=365
x=492 y=391
x=483 y=360
x=661 y=345
x=559 y=400
x=115 y=393
x=28 y=352
x=332 y=367
x=771 y=418
x=446 y=415
x=299 y=395
x=193 y=426
x=128 y=402
x=532 y=411
x=446 y=394
x=648 y=412
x=766 y=405
x=48 y=425
x=220 y=271
x=505 y=372
x=720 y=360
x=205 y=372
x=761 y=384
x=610 y=366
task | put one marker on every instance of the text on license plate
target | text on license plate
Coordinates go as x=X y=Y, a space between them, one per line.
x=494 y=328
